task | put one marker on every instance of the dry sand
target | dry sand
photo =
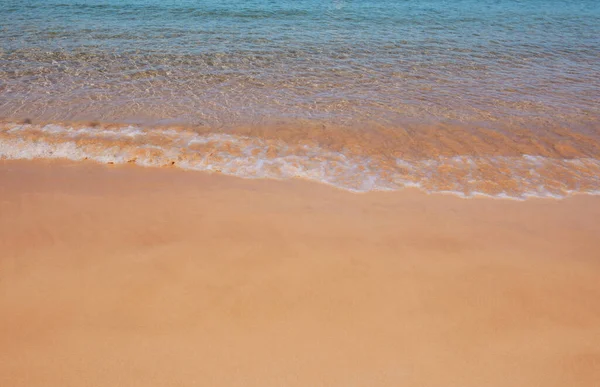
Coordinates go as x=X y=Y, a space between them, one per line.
x=122 y=276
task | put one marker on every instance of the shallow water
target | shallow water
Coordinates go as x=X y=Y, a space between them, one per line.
x=493 y=97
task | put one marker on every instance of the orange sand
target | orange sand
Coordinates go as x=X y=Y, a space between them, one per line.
x=122 y=276
x=439 y=158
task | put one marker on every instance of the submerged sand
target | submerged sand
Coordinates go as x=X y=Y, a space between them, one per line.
x=122 y=276
x=515 y=162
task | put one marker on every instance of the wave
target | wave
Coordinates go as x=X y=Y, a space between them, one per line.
x=516 y=177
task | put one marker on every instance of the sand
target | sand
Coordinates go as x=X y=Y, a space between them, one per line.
x=124 y=276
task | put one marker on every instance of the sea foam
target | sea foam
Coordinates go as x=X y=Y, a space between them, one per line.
x=515 y=177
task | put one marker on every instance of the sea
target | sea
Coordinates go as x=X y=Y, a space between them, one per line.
x=472 y=97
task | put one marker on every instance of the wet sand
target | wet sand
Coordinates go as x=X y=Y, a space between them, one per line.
x=517 y=163
x=124 y=276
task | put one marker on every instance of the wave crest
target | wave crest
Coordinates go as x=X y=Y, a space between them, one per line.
x=516 y=177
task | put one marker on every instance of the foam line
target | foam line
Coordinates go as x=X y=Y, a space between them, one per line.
x=509 y=177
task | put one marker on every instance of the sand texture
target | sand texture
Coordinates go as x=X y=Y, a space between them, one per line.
x=123 y=276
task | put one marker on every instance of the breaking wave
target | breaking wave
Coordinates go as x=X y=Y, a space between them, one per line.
x=517 y=177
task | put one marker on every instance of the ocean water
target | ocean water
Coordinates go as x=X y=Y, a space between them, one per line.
x=493 y=97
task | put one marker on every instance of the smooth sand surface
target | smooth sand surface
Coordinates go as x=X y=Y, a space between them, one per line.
x=123 y=276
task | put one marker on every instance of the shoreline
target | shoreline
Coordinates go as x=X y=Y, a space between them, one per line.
x=118 y=275
x=434 y=159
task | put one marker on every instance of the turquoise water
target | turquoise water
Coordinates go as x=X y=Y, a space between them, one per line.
x=427 y=59
x=458 y=78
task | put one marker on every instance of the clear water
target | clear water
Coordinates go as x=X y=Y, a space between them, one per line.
x=384 y=83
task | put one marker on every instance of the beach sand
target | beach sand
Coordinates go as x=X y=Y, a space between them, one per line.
x=125 y=276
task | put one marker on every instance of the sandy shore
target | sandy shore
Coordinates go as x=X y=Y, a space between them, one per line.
x=123 y=276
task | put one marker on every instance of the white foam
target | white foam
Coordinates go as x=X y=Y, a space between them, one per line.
x=259 y=158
